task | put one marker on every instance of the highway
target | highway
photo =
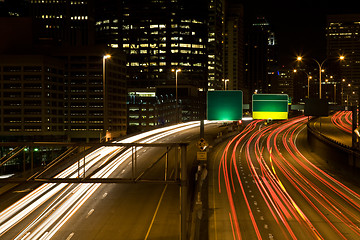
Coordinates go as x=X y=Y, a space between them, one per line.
x=265 y=184
x=105 y=211
x=337 y=127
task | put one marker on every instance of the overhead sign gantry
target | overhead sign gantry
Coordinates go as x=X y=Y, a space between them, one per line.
x=225 y=105
x=270 y=106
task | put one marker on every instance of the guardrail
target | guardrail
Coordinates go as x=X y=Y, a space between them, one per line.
x=352 y=152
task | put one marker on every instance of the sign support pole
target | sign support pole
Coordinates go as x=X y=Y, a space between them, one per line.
x=183 y=191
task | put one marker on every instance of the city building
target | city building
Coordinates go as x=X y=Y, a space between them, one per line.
x=343 y=38
x=89 y=91
x=148 y=108
x=261 y=62
x=95 y=99
x=142 y=110
x=215 y=45
x=285 y=83
x=63 y=23
x=32 y=98
x=234 y=49
x=162 y=36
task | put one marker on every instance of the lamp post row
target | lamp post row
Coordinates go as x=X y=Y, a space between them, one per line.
x=299 y=58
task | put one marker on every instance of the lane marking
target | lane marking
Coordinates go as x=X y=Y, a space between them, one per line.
x=157 y=207
x=90 y=212
x=104 y=195
x=70 y=236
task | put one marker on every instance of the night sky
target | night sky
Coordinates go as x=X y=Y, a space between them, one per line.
x=299 y=26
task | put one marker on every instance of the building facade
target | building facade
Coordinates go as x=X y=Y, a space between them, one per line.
x=261 y=57
x=63 y=23
x=32 y=98
x=343 y=38
x=216 y=16
x=95 y=90
x=234 y=48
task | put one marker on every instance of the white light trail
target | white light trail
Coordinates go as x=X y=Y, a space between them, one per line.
x=67 y=203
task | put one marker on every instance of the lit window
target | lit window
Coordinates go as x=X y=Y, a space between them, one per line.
x=185 y=45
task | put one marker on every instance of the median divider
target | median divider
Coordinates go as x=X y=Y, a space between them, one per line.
x=344 y=159
x=200 y=207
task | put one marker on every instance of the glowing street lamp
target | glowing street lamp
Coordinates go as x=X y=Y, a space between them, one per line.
x=176 y=91
x=225 y=81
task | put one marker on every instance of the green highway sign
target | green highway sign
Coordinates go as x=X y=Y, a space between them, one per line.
x=224 y=105
x=270 y=106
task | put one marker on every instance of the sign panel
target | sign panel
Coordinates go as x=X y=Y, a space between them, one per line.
x=201 y=156
x=316 y=107
x=224 y=105
x=202 y=144
x=270 y=106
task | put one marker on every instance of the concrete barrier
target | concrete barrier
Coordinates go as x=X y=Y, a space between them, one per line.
x=342 y=158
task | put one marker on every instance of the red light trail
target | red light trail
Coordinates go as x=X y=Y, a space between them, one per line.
x=294 y=197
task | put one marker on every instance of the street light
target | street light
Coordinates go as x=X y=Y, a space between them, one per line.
x=107 y=56
x=225 y=81
x=299 y=58
x=308 y=78
x=176 y=91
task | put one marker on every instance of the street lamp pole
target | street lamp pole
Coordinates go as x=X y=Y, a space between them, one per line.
x=308 y=88
x=308 y=80
x=107 y=56
x=225 y=81
x=176 y=92
x=320 y=70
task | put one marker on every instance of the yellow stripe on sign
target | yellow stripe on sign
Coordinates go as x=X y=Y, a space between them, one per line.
x=270 y=115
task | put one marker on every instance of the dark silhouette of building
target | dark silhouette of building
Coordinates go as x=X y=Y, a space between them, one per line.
x=234 y=48
x=261 y=57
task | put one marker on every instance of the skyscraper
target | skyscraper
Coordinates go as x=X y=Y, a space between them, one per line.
x=261 y=60
x=215 y=44
x=160 y=36
x=234 y=47
x=63 y=23
x=343 y=38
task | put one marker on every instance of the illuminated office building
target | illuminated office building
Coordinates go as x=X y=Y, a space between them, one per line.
x=163 y=35
x=108 y=20
x=343 y=37
x=63 y=22
x=216 y=44
x=160 y=36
